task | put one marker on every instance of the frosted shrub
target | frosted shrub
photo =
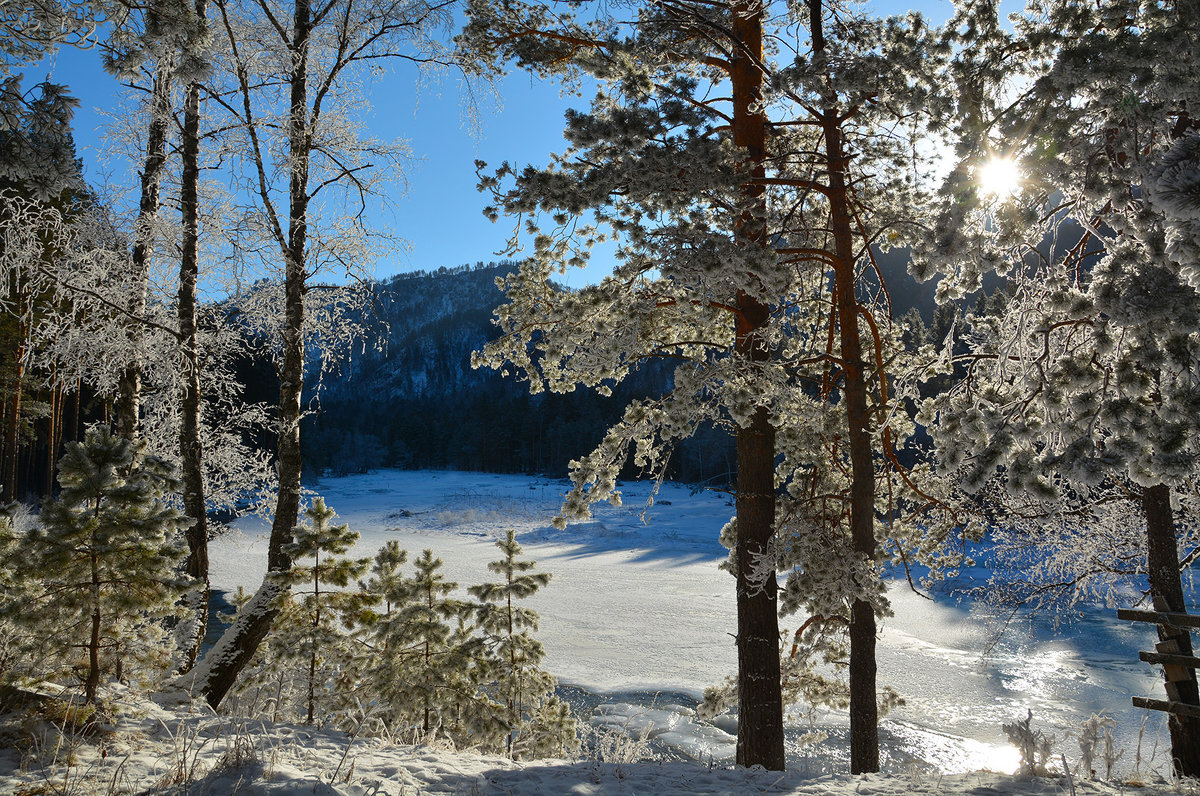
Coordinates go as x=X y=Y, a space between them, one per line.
x=1096 y=738
x=610 y=745
x=1034 y=746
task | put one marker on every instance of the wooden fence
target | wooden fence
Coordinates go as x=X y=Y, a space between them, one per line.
x=1177 y=667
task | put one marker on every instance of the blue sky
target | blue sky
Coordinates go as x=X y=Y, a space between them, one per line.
x=440 y=215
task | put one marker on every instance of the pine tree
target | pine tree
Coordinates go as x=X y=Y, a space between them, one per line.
x=1076 y=410
x=424 y=646
x=105 y=557
x=311 y=636
x=384 y=592
x=15 y=589
x=426 y=627
x=385 y=582
x=28 y=33
x=538 y=725
x=748 y=219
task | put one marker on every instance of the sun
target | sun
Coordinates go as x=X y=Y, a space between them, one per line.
x=999 y=177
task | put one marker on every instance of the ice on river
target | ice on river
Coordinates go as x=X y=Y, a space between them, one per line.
x=638 y=605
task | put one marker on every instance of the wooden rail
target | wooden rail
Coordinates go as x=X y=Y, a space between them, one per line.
x=1177 y=667
x=1170 y=659
x=1159 y=617
x=1179 y=708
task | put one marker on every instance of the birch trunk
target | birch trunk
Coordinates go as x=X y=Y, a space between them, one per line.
x=191 y=452
x=241 y=640
x=129 y=387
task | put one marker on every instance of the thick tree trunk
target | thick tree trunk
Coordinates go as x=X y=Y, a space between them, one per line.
x=760 y=701
x=864 y=707
x=292 y=373
x=217 y=673
x=287 y=508
x=129 y=386
x=239 y=643
x=76 y=411
x=1166 y=587
x=191 y=453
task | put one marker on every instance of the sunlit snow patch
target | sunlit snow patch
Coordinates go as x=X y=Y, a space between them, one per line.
x=947 y=753
x=674 y=726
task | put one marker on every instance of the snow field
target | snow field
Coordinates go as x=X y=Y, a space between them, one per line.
x=187 y=751
x=640 y=607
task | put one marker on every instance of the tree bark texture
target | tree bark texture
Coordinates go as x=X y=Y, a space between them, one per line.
x=53 y=434
x=242 y=638
x=864 y=706
x=287 y=509
x=1166 y=587
x=129 y=386
x=760 y=701
x=92 y=684
x=191 y=452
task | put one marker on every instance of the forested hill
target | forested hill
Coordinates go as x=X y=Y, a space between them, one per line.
x=427 y=323
x=417 y=403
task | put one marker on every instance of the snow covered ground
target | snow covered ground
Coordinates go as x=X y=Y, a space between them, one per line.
x=638 y=606
x=154 y=750
x=636 y=622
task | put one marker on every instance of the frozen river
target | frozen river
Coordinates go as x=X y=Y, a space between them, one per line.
x=639 y=619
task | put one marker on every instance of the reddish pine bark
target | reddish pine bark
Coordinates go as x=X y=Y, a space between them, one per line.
x=760 y=702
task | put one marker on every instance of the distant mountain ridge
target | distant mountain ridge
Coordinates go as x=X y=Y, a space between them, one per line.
x=416 y=402
x=429 y=323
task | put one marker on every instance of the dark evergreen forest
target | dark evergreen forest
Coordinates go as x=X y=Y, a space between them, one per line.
x=410 y=399
x=415 y=402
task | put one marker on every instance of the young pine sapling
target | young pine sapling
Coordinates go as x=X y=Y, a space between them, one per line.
x=105 y=559
x=538 y=723
x=313 y=619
